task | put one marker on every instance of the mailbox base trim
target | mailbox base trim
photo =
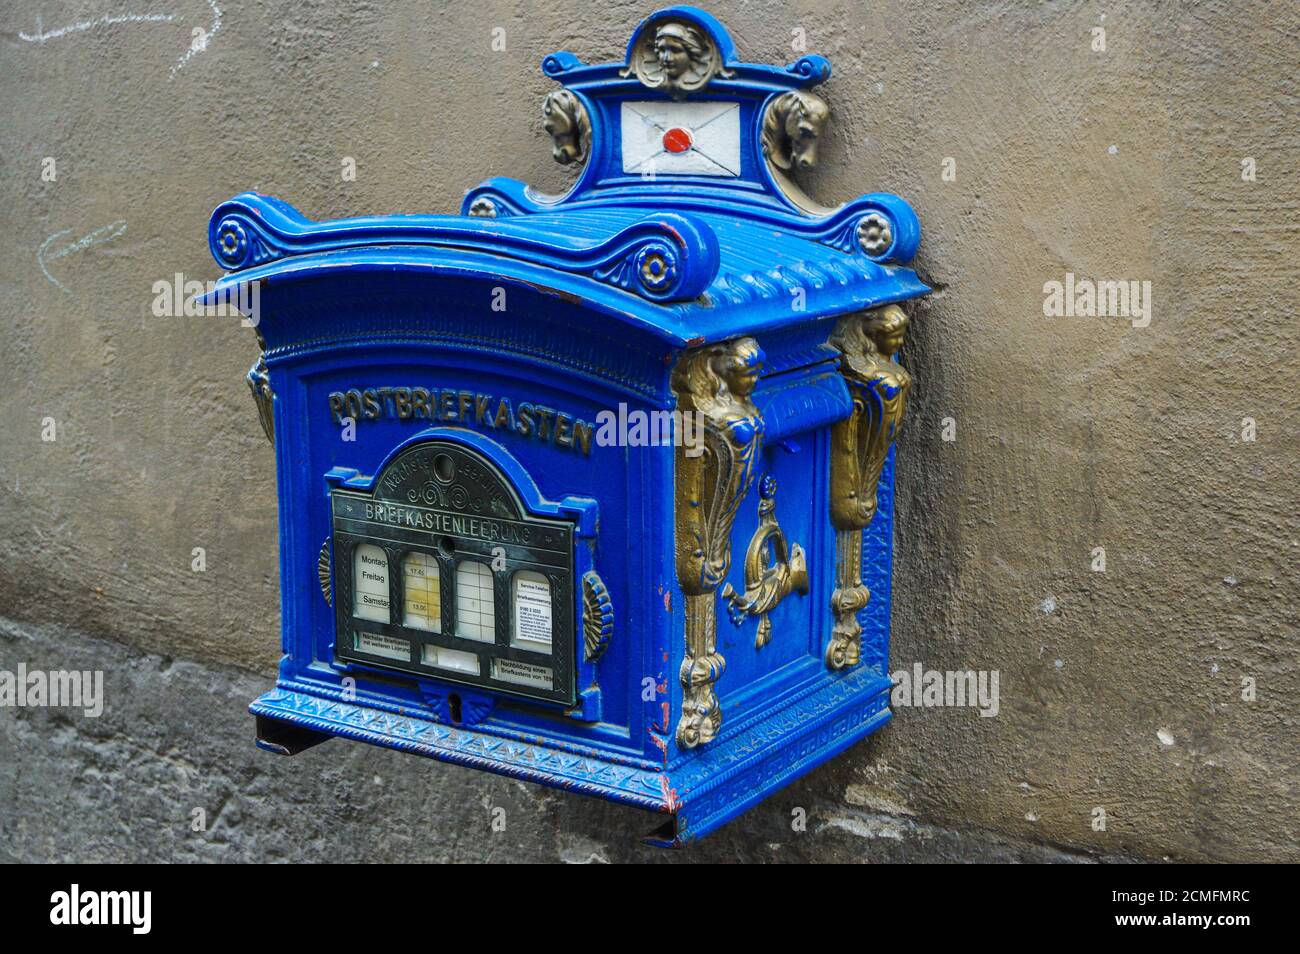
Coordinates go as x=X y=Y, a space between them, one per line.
x=528 y=761
x=700 y=795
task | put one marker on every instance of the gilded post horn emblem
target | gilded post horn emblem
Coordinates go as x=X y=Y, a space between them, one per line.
x=767 y=583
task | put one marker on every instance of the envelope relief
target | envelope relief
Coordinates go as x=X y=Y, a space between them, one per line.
x=670 y=138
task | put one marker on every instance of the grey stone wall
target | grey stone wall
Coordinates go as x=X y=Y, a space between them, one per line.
x=1120 y=690
x=169 y=772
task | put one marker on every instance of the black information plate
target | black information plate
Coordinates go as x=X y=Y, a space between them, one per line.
x=442 y=572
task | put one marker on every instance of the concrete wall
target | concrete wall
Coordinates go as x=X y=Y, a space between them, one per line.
x=1120 y=690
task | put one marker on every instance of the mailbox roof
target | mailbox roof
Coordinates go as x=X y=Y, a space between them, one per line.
x=730 y=275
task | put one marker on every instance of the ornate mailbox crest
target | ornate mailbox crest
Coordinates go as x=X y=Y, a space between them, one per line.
x=507 y=534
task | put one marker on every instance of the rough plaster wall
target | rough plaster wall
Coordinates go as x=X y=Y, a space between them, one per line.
x=1072 y=433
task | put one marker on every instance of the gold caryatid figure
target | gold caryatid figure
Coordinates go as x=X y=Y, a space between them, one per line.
x=859 y=445
x=715 y=382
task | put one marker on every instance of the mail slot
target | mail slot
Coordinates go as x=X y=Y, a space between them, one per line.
x=593 y=490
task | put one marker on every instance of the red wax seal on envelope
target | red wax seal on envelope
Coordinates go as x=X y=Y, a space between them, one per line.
x=677 y=140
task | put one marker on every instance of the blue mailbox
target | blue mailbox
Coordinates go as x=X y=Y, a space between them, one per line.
x=593 y=489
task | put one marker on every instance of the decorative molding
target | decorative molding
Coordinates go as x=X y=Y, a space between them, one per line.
x=849 y=598
x=767 y=584
x=874 y=234
x=859 y=446
x=597 y=616
x=716 y=382
x=668 y=256
x=477 y=749
x=838 y=228
x=323 y=572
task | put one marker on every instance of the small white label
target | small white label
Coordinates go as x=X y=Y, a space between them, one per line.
x=523 y=674
x=370 y=583
x=475 y=602
x=441 y=657
x=532 y=609
x=377 y=644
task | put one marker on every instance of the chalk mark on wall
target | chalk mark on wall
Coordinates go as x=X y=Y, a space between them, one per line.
x=99 y=236
x=108 y=19
x=199 y=44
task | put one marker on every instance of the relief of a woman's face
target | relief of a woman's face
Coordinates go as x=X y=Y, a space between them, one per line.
x=888 y=333
x=673 y=56
x=741 y=373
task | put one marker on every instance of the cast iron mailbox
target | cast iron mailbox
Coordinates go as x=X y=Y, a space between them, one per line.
x=594 y=490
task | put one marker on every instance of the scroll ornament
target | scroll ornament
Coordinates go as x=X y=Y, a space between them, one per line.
x=859 y=446
x=715 y=382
